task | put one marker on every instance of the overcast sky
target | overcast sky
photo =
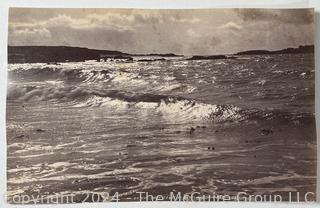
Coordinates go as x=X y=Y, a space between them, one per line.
x=216 y=31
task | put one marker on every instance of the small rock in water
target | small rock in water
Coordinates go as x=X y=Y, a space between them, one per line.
x=192 y=130
x=177 y=160
x=19 y=137
x=74 y=181
x=40 y=130
x=266 y=131
x=204 y=127
x=104 y=71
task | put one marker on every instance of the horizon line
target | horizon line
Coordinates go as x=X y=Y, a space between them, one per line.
x=143 y=54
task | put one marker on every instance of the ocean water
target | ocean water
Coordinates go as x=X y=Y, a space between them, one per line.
x=207 y=126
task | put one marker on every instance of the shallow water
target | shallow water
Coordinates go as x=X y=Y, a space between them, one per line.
x=216 y=126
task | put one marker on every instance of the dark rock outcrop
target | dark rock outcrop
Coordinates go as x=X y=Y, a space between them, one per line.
x=208 y=57
x=54 y=54
x=150 y=60
x=159 y=55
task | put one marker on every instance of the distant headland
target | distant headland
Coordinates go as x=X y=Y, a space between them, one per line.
x=300 y=49
x=49 y=54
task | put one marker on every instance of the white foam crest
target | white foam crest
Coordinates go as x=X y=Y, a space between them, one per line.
x=278 y=72
x=93 y=101
x=59 y=164
x=15 y=126
x=116 y=103
x=54 y=82
x=146 y=105
x=93 y=76
x=184 y=109
x=17 y=145
x=96 y=101
x=171 y=108
x=190 y=89
x=128 y=79
x=88 y=65
x=26 y=66
x=169 y=78
x=220 y=63
x=36 y=147
x=39 y=166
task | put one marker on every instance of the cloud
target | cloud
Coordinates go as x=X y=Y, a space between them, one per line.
x=90 y=21
x=230 y=26
x=184 y=20
x=29 y=35
x=35 y=31
x=292 y=16
x=163 y=31
x=130 y=31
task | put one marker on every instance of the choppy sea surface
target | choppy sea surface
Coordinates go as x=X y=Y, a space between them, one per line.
x=207 y=126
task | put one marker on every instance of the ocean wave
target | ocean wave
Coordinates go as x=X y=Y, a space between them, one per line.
x=169 y=106
x=65 y=74
x=172 y=108
x=98 y=76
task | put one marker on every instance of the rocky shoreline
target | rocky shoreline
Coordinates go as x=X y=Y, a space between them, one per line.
x=54 y=54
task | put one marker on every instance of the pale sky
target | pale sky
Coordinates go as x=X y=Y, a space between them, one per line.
x=205 y=31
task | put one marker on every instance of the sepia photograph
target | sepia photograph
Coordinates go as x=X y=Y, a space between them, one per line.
x=199 y=105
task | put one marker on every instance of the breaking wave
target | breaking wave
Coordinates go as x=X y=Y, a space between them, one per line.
x=65 y=74
x=167 y=105
x=172 y=107
x=171 y=92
